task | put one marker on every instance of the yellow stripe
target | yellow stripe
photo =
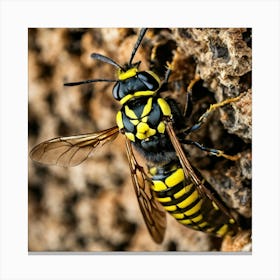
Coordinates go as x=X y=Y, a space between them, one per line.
x=209 y=230
x=222 y=230
x=164 y=106
x=130 y=113
x=175 y=178
x=153 y=171
x=126 y=98
x=215 y=206
x=127 y=74
x=136 y=94
x=178 y=215
x=144 y=93
x=119 y=120
x=204 y=224
x=145 y=119
x=188 y=201
x=134 y=122
x=154 y=75
x=148 y=107
x=161 y=127
x=194 y=210
x=183 y=191
x=170 y=208
x=197 y=219
x=130 y=136
x=185 y=222
x=158 y=186
x=164 y=199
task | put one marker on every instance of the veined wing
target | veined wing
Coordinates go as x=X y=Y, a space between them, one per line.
x=188 y=170
x=153 y=213
x=71 y=150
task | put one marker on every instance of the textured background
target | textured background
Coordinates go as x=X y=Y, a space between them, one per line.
x=92 y=207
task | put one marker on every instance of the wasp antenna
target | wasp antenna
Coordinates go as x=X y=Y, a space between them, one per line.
x=138 y=42
x=89 y=81
x=105 y=59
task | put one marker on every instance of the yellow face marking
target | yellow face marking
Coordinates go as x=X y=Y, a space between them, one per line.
x=193 y=210
x=119 y=120
x=158 y=186
x=127 y=74
x=161 y=127
x=130 y=136
x=164 y=106
x=130 y=113
x=148 y=107
x=175 y=178
x=164 y=199
x=222 y=230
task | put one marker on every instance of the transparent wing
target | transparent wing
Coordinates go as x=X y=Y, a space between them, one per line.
x=153 y=213
x=72 y=150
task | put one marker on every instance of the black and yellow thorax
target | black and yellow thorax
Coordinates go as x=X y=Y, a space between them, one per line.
x=141 y=117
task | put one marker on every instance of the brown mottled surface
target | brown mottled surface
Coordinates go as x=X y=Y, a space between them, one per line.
x=92 y=207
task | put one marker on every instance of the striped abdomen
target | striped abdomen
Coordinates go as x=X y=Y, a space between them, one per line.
x=181 y=198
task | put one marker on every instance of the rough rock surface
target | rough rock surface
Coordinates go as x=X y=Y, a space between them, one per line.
x=92 y=207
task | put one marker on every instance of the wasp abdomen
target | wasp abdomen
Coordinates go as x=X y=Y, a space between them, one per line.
x=182 y=199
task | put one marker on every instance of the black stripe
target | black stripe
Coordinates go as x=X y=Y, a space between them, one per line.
x=169 y=192
x=182 y=210
x=175 y=201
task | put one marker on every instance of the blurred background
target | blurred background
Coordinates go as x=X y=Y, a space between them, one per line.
x=92 y=207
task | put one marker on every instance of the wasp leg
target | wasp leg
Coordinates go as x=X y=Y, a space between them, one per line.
x=212 y=107
x=167 y=73
x=188 y=95
x=163 y=84
x=211 y=151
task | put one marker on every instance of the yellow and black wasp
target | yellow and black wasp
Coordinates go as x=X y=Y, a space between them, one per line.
x=154 y=126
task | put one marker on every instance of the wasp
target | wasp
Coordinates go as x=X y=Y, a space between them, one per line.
x=154 y=126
